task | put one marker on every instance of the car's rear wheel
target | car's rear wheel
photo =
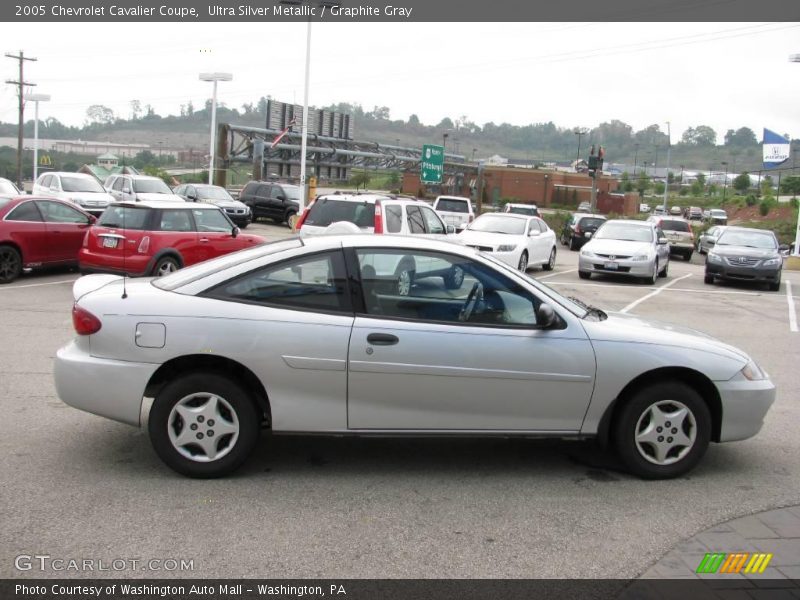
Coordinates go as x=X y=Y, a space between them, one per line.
x=551 y=262
x=10 y=264
x=290 y=217
x=455 y=278
x=523 y=261
x=573 y=244
x=404 y=277
x=663 y=431
x=665 y=271
x=203 y=425
x=165 y=266
x=688 y=255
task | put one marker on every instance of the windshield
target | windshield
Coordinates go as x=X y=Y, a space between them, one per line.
x=213 y=193
x=81 y=184
x=624 y=232
x=752 y=239
x=452 y=205
x=150 y=186
x=6 y=187
x=498 y=224
x=328 y=210
x=126 y=217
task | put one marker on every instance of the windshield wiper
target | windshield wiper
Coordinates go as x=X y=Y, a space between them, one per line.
x=590 y=310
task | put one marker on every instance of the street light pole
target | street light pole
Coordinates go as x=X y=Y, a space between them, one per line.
x=725 y=183
x=36 y=98
x=215 y=77
x=666 y=182
x=635 y=158
x=795 y=58
x=580 y=133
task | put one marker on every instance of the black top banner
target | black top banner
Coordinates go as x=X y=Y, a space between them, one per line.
x=366 y=11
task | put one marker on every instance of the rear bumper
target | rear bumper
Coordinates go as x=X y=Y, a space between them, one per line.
x=132 y=264
x=744 y=406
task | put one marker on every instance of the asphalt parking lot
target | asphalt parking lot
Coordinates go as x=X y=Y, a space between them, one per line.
x=82 y=487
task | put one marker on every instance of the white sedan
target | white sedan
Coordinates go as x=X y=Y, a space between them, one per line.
x=517 y=240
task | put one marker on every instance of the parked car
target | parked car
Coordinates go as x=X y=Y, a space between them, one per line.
x=138 y=188
x=300 y=336
x=237 y=212
x=579 y=229
x=708 y=238
x=659 y=210
x=8 y=189
x=79 y=188
x=517 y=240
x=272 y=200
x=743 y=254
x=39 y=232
x=371 y=213
x=522 y=209
x=693 y=213
x=622 y=247
x=717 y=216
x=675 y=211
x=644 y=207
x=156 y=238
x=679 y=234
x=585 y=207
x=454 y=210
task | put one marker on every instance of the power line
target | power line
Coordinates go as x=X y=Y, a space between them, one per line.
x=21 y=83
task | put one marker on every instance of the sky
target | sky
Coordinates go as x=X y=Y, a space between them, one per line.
x=725 y=75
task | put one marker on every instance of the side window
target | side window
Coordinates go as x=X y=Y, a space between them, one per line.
x=46 y=181
x=117 y=184
x=175 y=220
x=275 y=192
x=55 y=212
x=437 y=287
x=432 y=222
x=534 y=226
x=315 y=282
x=416 y=224
x=263 y=191
x=712 y=232
x=212 y=220
x=26 y=211
x=393 y=213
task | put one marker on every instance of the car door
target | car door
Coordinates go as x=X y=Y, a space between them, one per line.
x=66 y=228
x=175 y=228
x=662 y=250
x=214 y=233
x=28 y=230
x=426 y=361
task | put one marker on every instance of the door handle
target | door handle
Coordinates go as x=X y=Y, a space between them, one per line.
x=382 y=339
x=203 y=239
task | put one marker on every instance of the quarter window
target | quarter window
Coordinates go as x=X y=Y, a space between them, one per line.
x=394 y=217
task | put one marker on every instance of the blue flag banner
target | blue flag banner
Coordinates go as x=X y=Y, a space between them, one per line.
x=776 y=149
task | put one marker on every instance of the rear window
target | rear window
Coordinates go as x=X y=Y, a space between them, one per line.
x=667 y=225
x=126 y=217
x=591 y=222
x=523 y=210
x=452 y=205
x=330 y=210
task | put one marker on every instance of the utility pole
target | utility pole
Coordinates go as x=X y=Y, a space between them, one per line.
x=20 y=84
x=666 y=180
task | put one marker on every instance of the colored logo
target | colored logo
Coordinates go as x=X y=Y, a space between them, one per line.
x=735 y=562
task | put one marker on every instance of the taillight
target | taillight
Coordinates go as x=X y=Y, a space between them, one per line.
x=469 y=218
x=378 y=218
x=690 y=229
x=578 y=229
x=144 y=245
x=86 y=239
x=85 y=323
x=303 y=217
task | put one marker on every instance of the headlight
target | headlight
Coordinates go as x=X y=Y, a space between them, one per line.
x=714 y=258
x=585 y=252
x=506 y=248
x=771 y=262
x=640 y=257
x=752 y=372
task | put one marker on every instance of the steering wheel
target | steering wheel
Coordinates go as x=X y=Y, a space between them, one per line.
x=475 y=296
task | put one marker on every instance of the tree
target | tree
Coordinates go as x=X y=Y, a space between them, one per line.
x=248 y=108
x=791 y=185
x=393 y=180
x=642 y=183
x=742 y=137
x=360 y=178
x=189 y=109
x=136 y=108
x=742 y=183
x=97 y=113
x=446 y=123
x=381 y=113
x=702 y=135
x=413 y=121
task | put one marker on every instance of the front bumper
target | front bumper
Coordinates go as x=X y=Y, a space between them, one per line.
x=754 y=274
x=631 y=268
x=82 y=381
x=744 y=406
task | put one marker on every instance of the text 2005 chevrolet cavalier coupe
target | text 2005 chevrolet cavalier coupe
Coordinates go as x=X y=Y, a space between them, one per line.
x=383 y=335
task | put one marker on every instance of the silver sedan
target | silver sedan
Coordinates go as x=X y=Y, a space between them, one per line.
x=313 y=336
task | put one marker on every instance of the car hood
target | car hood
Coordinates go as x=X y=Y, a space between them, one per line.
x=723 y=250
x=149 y=196
x=617 y=247
x=485 y=238
x=89 y=196
x=227 y=203
x=621 y=327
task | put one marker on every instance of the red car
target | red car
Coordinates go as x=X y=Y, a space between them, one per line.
x=156 y=238
x=39 y=232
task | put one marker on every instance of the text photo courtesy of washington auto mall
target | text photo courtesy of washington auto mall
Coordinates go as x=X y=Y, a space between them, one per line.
x=442 y=300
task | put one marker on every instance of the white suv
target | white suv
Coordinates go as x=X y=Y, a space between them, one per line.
x=454 y=210
x=79 y=188
x=135 y=188
x=370 y=213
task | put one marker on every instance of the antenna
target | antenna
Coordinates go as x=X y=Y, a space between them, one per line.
x=124 y=254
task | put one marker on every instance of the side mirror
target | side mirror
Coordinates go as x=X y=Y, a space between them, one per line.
x=281 y=197
x=92 y=219
x=126 y=190
x=662 y=241
x=450 y=229
x=783 y=247
x=534 y=233
x=545 y=316
x=711 y=241
x=191 y=198
x=235 y=232
x=461 y=227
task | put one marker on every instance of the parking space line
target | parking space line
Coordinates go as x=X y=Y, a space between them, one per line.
x=554 y=274
x=690 y=291
x=30 y=285
x=792 y=313
x=655 y=292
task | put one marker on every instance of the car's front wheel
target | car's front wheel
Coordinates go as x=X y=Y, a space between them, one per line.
x=523 y=262
x=551 y=262
x=203 y=425
x=10 y=264
x=663 y=431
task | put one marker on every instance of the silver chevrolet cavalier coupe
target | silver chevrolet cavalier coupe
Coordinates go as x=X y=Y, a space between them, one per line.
x=389 y=335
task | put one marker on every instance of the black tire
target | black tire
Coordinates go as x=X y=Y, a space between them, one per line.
x=652 y=279
x=288 y=218
x=584 y=274
x=523 y=261
x=665 y=271
x=774 y=286
x=10 y=264
x=243 y=225
x=563 y=240
x=688 y=256
x=404 y=277
x=165 y=265
x=635 y=416
x=573 y=245
x=454 y=278
x=708 y=279
x=551 y=263
x=247 y=417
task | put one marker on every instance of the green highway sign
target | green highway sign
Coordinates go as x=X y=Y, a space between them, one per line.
x=432 y=164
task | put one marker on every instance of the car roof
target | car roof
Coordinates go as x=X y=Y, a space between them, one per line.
x=370 y=198
x=166 y=204
x=68 y=173
x=520 y=204
x=503 y=215
x=583 y=214
x=633 y=222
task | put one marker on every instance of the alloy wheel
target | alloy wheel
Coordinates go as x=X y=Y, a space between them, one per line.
x=203 y=427
x=665 y=432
